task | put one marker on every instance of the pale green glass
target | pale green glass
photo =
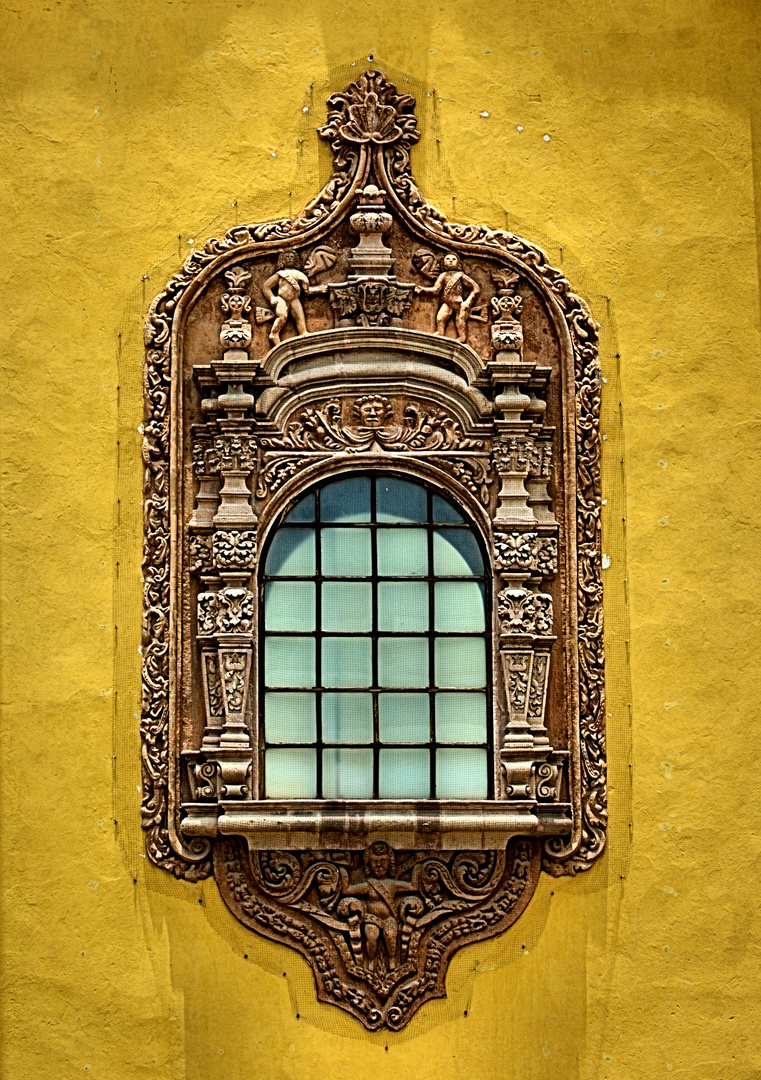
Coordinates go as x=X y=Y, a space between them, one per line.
x=289 y=661
x=403 y=605
x=290 y=717
x=291 y=554
x=302 y=511
x=461 y=774
x=402 y=552
x=347 y=500
x=455 y=552
x=289 y=605
x=460 y=661
x=290 y=774
x=400 y=500
x=459 y=606
x=347 y=605
x=404 y=774
x=444 y=512
x=346 y=553
x=347 y=718
x=347 y=774
x=347 y=661
x=460 y=718
x=403 y=661
x=403 y=718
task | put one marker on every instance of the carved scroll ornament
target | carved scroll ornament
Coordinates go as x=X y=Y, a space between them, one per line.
x=369 y=333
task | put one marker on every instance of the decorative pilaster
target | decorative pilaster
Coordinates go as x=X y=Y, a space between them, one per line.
x=223 y=551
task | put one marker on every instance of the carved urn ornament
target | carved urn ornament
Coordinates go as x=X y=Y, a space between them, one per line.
x=373 y=659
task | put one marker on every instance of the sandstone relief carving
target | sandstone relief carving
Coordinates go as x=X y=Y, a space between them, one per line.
x=290 y=354
x=289 y=285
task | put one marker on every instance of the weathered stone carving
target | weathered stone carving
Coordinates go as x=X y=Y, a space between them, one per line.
x=471 y=415
x=375 y=421
x=236 y=331
x=524 y=612
x=378 y=926
x=451 y=285
x=286 y=288
x=506 y=306
x=234 y=550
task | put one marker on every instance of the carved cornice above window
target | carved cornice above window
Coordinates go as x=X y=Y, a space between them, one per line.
x=369 y=339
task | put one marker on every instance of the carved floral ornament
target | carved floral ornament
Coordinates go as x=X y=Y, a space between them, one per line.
x=369 y=336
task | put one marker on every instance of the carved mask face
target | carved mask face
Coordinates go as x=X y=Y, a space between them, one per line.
x=372 y=412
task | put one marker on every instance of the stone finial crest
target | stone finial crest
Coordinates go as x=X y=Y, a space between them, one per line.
x=370 y=111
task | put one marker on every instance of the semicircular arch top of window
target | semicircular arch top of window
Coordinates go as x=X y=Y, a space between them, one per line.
x=375 y=655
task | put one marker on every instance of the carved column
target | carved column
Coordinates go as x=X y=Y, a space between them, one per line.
x=223 y=549
x=525 y=549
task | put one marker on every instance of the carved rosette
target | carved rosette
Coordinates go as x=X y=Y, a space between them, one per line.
x=378 y=926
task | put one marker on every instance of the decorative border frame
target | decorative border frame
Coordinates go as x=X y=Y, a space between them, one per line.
x=357 y=144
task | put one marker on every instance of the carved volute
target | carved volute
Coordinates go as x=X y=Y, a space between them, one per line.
x=371 y=340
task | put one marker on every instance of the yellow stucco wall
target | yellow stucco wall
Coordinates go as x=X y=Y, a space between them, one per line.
x=133 y=127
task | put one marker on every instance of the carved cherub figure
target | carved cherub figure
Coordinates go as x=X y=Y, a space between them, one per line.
x=380 y=891
x=285 y=288
x=450 y=286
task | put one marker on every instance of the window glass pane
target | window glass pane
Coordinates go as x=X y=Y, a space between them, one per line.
x=290 y=774
x=402 y=552
x=289 y=661
x=459 y=606
x=399 y=500
x=290 y=717
x=461 y=718
x=403 y=718
x=347 y=661
x=291 y=554
x=347 y=774
x=289 y=605
x=403 y=605
x=347 y=718
x=403 y=661
x=444 y=512
x=404 y=774
x=460 y=661
x=302 y=511
x=455 y=551
x=461 y=774
x=346 y=552
x=347 y=605
x=348 y=500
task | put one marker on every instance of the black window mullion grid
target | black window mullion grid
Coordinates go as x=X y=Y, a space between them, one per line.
x=433 y=744
x=431 y=681
x=318 y=636
x=374 y=632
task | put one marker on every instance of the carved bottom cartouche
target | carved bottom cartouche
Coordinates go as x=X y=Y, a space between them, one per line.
x=378 y=927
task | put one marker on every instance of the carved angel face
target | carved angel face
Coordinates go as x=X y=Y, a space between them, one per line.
x=379 y=862
x=451 y=261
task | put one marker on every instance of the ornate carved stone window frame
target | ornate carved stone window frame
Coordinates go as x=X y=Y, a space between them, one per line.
x=232 y=441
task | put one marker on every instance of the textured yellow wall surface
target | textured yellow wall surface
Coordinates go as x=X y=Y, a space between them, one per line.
x=619 y=136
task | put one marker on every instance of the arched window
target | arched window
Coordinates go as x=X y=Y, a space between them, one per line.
x=375 y=663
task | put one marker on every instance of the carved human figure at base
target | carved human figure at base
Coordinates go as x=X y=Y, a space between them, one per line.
x=379 y=892
x=450 y=285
